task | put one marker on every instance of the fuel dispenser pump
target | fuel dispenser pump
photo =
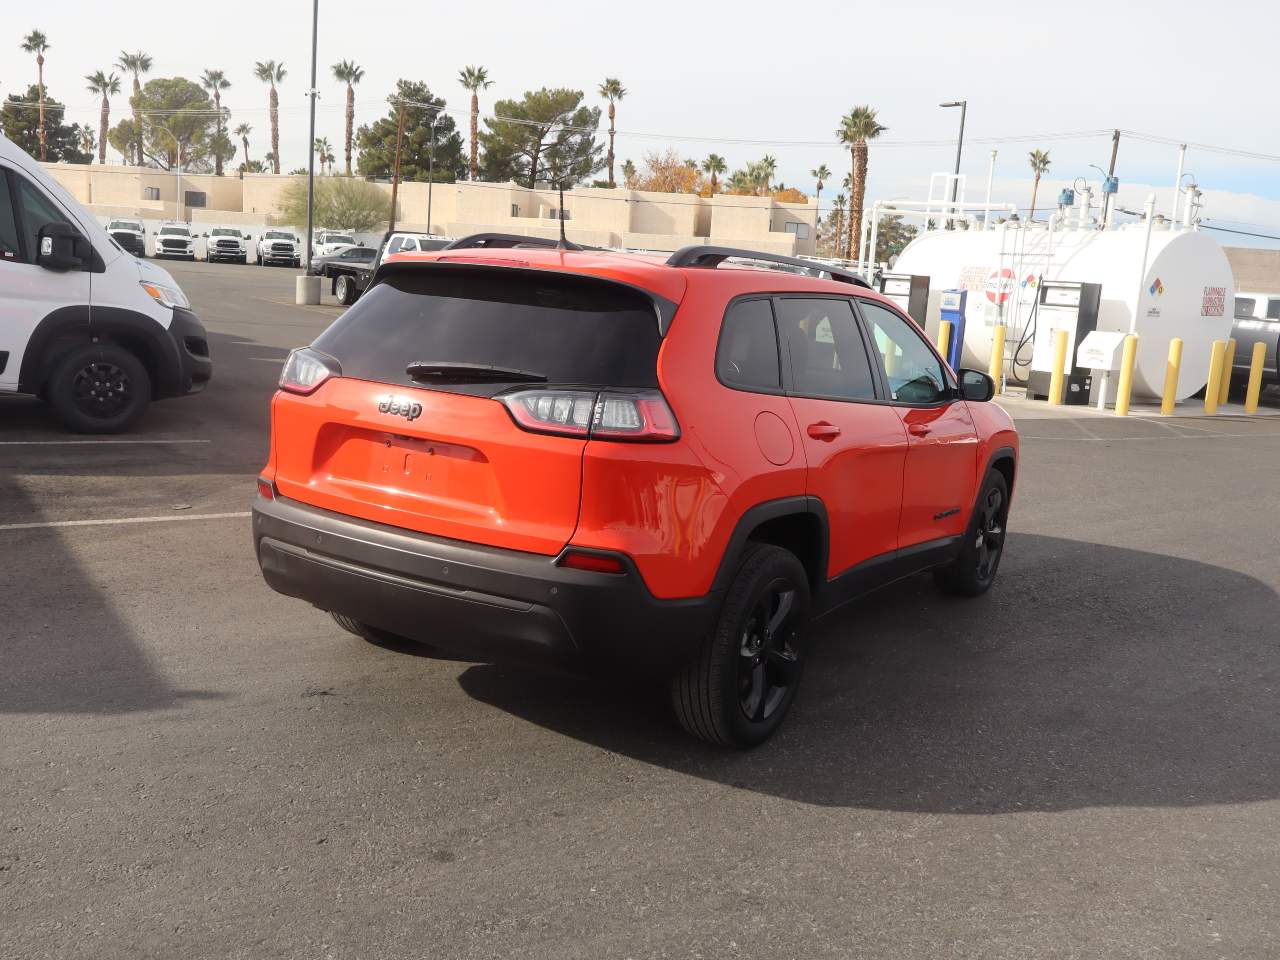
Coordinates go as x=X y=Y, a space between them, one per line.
x=1063 y=306
x=909 y=292
x=953 y=305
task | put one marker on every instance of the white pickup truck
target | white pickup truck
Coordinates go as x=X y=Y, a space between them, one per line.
x=224 y=243
x=279 y=246
x=175 y=240
x=329 y=242
x=130 y=235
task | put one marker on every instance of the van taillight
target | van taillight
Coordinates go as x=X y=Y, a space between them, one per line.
x=641 y=415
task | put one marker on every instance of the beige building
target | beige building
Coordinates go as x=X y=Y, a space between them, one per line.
x=594 y=216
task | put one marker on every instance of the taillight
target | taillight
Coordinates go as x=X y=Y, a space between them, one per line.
x=642 y=415
x=305 y=369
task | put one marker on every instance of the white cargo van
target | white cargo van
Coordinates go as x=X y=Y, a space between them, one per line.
x=89 y=328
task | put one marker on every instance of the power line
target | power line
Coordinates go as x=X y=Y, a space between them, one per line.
x=1242 y=233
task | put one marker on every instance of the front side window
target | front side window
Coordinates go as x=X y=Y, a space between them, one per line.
x=827 y=356
x=1244 y=307
x=1273 y=309
x=912 y=370
x=37 y=210
x=8 y=224
x=747 y=357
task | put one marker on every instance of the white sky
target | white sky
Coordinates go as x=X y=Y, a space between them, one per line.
x=750 y=71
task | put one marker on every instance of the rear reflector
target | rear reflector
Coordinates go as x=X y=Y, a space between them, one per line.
x=266 y=489
x=641 y=415
x=592 y=562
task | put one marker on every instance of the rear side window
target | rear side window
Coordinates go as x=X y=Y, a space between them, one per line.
x=825 y=348
x=747 y=357
x=569 y=329
x=1244 y=306
x=8 y=223
x=1273 y=309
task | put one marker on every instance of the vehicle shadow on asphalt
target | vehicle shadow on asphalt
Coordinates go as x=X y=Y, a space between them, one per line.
x=63 y=646
x=1091 y=675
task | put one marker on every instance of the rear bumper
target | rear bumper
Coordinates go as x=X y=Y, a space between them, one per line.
x=483 y=602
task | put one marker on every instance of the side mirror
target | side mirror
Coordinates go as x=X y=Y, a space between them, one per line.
x=62 y=247
x=976 y=385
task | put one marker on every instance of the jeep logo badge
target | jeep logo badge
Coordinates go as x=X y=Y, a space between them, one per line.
x=399 y=407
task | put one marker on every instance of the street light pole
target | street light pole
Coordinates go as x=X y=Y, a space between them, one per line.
x=311 y=140
x=955 y=182
x=177 y=147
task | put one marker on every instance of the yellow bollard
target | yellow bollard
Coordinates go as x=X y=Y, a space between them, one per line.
x=1228 y=362
x=1255 y=378
x=944 y=337
x=1215 y=377
x=996 y=370
x=1125 y=387
x=1171 y=371
x=1058 y=382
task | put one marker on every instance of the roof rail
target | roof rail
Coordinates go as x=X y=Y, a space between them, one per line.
x=507 y=240
x=701 y=255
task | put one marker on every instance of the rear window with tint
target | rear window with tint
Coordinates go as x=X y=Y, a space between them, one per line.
x=570 y=329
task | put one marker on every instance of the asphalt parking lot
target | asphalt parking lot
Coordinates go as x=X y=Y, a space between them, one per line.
x=1084 y=763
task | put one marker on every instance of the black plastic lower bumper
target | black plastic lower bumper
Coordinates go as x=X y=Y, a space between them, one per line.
x=479 y=601
x=191 y=347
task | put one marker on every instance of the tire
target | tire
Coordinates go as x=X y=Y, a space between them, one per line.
x=99 y=388
x=737 y=689
x=974 y=569
x=258 y=259
x=296 y=263
x=344 y=290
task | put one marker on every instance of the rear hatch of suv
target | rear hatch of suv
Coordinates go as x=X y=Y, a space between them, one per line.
x=457 y=400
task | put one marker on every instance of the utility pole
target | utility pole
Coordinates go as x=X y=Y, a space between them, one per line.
x=395 y=175
x=1109 y=198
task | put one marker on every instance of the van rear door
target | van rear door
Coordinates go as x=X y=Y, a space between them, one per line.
x=441 y=452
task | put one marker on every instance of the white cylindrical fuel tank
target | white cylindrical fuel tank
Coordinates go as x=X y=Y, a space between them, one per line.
x=1187 y=291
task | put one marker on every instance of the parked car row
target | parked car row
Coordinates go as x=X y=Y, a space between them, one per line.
x=350 y=269
x=275 y=246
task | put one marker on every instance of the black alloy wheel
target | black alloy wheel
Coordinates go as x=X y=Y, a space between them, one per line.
x=99 y=388
x=767 y=660
x=973 y=570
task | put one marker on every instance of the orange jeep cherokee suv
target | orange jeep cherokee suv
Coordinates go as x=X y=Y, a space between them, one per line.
x=505 y=450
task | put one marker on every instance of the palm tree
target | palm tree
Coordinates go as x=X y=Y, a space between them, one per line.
x=1039 y=164
x=325 y=151
x=243 y=132
x=347 y=72
x=821 y=174
x=216 y=81
x=37 y=43
x=88 y=142
x=330 y=158
x=713 y=166
x=137 y=64
x=837 y=217
x=857 y=127
x=107 y=85
x=613 y=91
x=271 y=72
x=767 y=167
x=475 y=79
x=629 y=173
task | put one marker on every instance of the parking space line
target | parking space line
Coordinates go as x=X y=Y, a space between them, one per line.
x=1190 y=436
x=102 y=523
x=81 y=443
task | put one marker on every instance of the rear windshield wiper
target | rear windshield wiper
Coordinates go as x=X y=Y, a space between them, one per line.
x=447 y=370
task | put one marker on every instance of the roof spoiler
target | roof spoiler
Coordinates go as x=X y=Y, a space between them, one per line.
x=701 y=255
x=507 y=241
